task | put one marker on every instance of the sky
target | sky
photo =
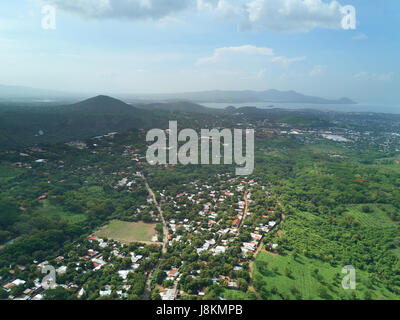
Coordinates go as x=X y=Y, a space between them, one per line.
x=165 y=46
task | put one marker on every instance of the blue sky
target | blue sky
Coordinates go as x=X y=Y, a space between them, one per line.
x=157 y=46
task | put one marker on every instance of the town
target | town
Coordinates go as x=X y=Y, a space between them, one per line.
x=137 y=230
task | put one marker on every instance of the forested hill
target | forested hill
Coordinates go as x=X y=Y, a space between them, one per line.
x=95 y=116
x=101 y=105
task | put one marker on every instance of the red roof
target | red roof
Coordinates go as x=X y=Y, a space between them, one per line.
x=236 y=222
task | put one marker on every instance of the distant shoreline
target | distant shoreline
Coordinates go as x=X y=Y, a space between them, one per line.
x=360 y=107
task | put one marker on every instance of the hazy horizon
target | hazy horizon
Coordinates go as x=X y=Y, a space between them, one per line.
x=165 y=46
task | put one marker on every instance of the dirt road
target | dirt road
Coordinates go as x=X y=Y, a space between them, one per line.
x=147 y=292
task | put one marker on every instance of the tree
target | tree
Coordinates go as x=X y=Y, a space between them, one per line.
x=156 y=295
x=4 y=236
x=8 y=214
x=16 y=291
x=159 y=276
x=366 y=209
x=3 y=294
x=58 y=293
x=242 y=284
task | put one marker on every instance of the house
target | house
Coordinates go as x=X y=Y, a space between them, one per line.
x=62 y=270
x=249 y=247
x=81 y=293
x=59 y=259
x=97 y=264
x=123 y=182
x=105 y=293
x=202 y=292
x=124 y=274
x=233 y=285
x=8 y=286
x=18 y=282
x=236 y=223
x=23 y=298
x=256 y=237
x=92 y=252
x=218 y=250
x=272 y=224
x=28 y=291
x=134 y=258
x=168 y=294
x=172 y=274
x=44 y=196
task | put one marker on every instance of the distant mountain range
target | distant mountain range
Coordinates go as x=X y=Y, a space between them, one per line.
x=179 y=106
x=17 y=93
x=268 y=96
x=33 y=95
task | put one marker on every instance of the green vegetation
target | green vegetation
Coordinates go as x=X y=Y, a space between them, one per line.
x=334 y=204
x=53 y=211
x=8 y=173
x=296 y=277
x=238 y=295
x=376 y=216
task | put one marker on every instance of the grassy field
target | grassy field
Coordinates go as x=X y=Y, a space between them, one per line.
x=127 y=232
x=376 y=218
x=396 y=252
x=326 y=148
x=50 y=210
x=283 y=277
x=230 y=294
x=7 y=172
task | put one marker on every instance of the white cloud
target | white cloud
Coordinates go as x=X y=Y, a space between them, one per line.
x=207 y=4
x=277 y=15
x=386 y=77
x=261 y=73
x=169 y=20
x=128 y=9
x=246 y=49
x=294 y=15
x=221 y=7
x=317 y=70
x=383 y=77
x=287 y=61
x=360 y=36
x=361 y=75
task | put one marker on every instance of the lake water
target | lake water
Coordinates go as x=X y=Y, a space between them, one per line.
x=331 y=107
